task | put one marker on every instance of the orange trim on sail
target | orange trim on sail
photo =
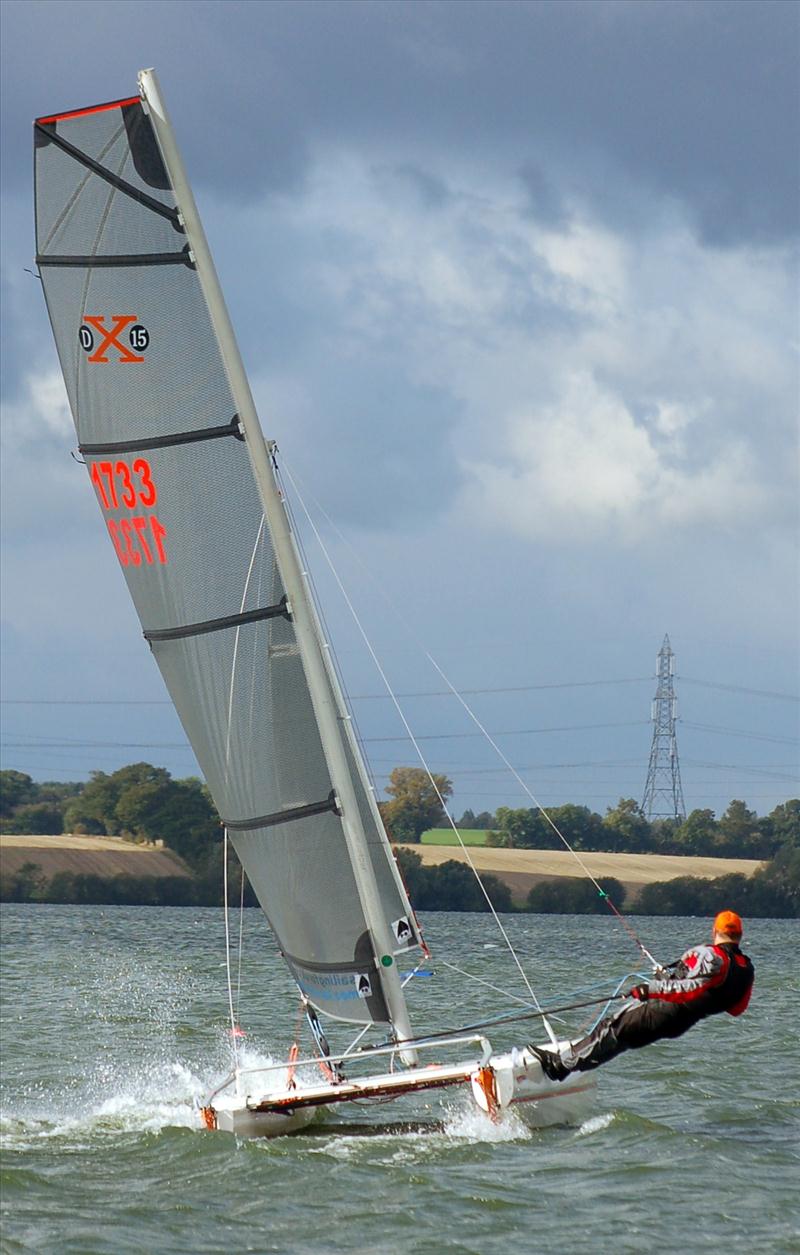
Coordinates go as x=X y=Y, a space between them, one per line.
x=80 y=113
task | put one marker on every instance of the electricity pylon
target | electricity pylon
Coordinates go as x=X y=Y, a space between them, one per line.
x=663 y=795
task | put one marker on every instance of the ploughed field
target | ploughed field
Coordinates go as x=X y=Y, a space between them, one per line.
x=98 y=856
x=522 y=869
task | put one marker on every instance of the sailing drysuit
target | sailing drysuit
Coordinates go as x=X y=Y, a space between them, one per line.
x=705 y=980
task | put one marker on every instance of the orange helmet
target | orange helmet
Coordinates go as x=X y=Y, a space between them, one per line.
x=730 y=923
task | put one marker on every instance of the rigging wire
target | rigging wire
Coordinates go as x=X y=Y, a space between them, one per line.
x=468 y=710
x=240 y=948
x=529 y=793
x=420 y=754
x=481 y=981
x=234 y=1028
x=228 y=732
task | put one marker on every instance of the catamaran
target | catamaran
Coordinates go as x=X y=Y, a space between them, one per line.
x=189 y=492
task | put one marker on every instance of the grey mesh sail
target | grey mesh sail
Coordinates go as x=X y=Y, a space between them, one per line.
x=172 y=465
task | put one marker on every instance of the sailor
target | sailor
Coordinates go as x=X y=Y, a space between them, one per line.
x=704 y=981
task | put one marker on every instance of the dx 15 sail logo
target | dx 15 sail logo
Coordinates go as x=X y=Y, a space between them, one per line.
x=98 y=340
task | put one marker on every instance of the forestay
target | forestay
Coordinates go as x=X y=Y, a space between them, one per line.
x=171 y=462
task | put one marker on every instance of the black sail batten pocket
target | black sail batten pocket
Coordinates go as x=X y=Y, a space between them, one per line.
x=117 y=260
x=281 y=610
x=233 y=428
x=285 y=817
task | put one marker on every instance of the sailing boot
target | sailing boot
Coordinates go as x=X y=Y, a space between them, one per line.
x=552 y=1063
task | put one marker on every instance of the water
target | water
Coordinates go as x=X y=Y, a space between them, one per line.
x=114 y=1028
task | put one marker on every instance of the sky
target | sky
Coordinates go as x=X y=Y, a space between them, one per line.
x=516 y=285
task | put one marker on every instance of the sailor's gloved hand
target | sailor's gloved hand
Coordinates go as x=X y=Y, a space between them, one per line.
x=640 y=992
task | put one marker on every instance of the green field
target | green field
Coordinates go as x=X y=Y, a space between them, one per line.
x=446 y=836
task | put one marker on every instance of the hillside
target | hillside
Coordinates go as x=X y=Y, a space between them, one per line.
x=83 y=855
x=522 y=869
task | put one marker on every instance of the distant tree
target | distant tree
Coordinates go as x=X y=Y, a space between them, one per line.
x=785 y=822
x=663 y=836
x=451 y=886
x=625 y=827
x=523 y=829
x=483 y=820
x=36 y=818
x=697 y=834
x=739 y=834
x=692 y=895
x=26 y=885
x=121 y=890
x=574 y=896
x=15 y=789
x=416 y=805
x=178 y=812
x=92 y=811
x=412 y=871
x=582 y=828
x=59 y=791
x=480 y=822
x=146 y=803
x=777 y=884
x=95 y=809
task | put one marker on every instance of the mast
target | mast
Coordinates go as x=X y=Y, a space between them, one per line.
x=326 y=697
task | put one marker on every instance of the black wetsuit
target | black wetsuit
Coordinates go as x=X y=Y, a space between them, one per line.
x=705 y=981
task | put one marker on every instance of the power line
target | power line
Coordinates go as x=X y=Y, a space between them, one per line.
x=471 y=692
x=737 y=688
x=737 y=767
x=82 y=701
x=354 y=697
x=518 y=688
x=460 y=736
x=69 y=743
x=750 y=736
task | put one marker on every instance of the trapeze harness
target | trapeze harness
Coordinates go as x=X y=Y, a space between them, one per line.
x=705 y=981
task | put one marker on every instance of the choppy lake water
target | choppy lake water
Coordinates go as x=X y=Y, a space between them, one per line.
x=114 y=1028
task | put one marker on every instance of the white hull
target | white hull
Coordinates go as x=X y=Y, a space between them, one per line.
x=498 y=1084
x=244 y=1122
x=541 y=1102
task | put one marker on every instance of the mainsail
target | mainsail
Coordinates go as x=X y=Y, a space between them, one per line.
x=183 y=476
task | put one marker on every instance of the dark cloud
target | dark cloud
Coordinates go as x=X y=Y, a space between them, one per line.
x=544 y=202
x=694 y=101
x=391 y=461
x=431 y=191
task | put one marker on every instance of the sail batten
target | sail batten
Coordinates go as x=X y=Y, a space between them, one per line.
x=162 y=442
x=284 y=817
x=151 y=365
x=118 y=261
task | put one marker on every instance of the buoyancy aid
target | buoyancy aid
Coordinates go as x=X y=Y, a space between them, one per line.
x=708 y=979
x=733 y=994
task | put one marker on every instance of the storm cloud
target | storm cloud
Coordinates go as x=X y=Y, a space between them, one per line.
x=516 y=287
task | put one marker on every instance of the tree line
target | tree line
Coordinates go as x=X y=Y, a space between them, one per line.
x=144 y=803
x=419 y=803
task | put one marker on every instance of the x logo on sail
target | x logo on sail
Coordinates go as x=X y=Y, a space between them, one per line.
x=111 y=337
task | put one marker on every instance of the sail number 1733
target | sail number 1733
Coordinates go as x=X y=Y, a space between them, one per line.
x=140 y=538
